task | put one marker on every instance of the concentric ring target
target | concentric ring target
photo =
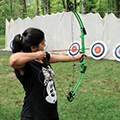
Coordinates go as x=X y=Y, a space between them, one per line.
x=116 y=52
x=98 y=50
x=11 y=44
x=74 y=48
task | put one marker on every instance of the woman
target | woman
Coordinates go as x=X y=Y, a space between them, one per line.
x=33 y=70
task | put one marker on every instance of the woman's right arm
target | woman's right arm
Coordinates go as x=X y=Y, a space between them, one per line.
x=18 y=60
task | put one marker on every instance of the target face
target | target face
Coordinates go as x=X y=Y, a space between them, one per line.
x=74 y=48
x=11 y=43
x=98 y=50
x=116 y=52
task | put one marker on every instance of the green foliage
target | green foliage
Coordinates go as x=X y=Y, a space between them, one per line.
x=2 y=41
x=58 y=7
x=101 y=6
x=4 y=11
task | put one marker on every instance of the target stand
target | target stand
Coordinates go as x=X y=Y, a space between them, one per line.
x=98 y=50
x=116 y=52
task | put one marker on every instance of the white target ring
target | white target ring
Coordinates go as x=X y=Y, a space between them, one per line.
x=74 y=48
x=98 y=50
x=11 y=45
x=116 y=52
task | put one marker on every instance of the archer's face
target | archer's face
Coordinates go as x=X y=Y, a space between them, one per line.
x=41 y=46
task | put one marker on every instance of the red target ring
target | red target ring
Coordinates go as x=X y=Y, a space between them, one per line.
x=74 y=48
x=97 y=49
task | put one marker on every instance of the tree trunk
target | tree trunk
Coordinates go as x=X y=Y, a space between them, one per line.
x=46 y=6
x=23 y=4
x=75 y=4
x=117 y=8
x=24 y=8
x=63 y=4
x=67 y=5
x=37 y=2
x=11 y=8
x=82 y=6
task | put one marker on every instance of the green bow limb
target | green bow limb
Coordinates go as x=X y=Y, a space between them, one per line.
x=82 y=64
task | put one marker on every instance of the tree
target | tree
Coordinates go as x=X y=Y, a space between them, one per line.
x=46 y=6
x=11 y=8
x=23 y=4
x=82 y=6
x=63 y=2
x=67 y=4
x=37 y=2
x=75 y=4
x=117 y=7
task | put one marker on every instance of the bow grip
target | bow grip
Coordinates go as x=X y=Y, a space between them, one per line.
x=81 y=59
x=84 y=30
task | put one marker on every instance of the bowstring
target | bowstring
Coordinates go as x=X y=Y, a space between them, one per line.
x=72 y=22
x=73 y=69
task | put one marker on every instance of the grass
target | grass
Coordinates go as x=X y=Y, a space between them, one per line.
x=98 y=97
x=2 y=41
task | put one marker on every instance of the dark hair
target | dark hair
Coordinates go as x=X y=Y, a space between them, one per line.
x=30 y=37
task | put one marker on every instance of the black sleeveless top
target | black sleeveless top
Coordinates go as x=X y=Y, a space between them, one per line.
x=40 y=102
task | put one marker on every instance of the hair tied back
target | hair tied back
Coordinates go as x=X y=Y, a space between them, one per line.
x=21 y=37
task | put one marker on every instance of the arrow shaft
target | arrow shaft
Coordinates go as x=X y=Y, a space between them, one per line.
x=65 y=50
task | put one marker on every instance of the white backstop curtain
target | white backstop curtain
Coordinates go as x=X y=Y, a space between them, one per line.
x=61 y=29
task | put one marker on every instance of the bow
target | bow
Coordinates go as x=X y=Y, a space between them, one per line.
x=82 y=64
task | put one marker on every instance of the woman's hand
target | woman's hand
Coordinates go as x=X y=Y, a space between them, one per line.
x=40 y=55
x=79 y=56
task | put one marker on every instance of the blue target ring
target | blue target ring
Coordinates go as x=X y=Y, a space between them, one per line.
x=116 y=52
x=11 y=44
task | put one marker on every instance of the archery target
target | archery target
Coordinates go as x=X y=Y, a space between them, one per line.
x=116 y=52
x=74 y=48
x=11 y=45
x=98 y=50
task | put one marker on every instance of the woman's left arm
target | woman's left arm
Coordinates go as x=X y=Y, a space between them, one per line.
x=64 y=58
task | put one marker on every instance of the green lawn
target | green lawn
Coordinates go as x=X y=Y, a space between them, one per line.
x=98 y=97
x=2 y=41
